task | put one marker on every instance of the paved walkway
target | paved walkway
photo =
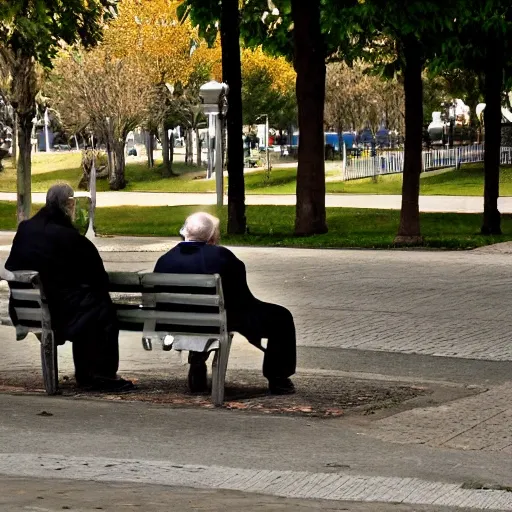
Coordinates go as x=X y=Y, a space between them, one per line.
x=452 y=304
x=407 y=315
x=51 y=495
x=109 y=441
x=460 y=204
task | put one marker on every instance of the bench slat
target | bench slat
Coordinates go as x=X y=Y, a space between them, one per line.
x=124 y=278
x=23 y=276
x=31 y=295
x=187 y=298
x=32 y=314
x=168 y=317
x=190 y=280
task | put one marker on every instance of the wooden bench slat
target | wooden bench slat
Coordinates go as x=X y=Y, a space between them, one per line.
x=124 y=278
x=189 y=330
x=23 y=276
x=32 y=314
x=190 y=280
x=163 y=317
x=188 y=299
x=31 y=295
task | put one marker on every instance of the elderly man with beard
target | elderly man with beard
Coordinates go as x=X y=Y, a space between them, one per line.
x=76 y=287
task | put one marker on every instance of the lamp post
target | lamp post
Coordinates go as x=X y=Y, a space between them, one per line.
x=267 y=150
x=213 y=97
x=46 y=137
x=92 y=191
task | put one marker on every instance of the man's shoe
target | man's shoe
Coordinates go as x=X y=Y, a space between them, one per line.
x=106 y=384
x=197 y=380
x=281 y=386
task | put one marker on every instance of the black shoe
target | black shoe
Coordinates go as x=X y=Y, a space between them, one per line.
x=197 y=380
x=107 y=384
x=281 y=386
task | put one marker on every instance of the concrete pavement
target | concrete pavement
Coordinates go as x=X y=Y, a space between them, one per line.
x=452 y=304
x=109 y=441
x=457 y=204
x=433 y=319
x=55 y=495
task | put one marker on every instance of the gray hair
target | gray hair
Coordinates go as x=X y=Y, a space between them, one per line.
x=58 y=197
x=200 y=227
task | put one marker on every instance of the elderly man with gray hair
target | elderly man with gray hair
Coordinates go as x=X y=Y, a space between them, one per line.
x=200 y=253
x=76 y=286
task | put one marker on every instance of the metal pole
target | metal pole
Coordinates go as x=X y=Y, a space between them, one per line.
x=218 y=161
x=209 y=149
x=92 y=189
x=46 y=138
x=266 y=145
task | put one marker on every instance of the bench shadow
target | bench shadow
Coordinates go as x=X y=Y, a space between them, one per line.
x=245 y=391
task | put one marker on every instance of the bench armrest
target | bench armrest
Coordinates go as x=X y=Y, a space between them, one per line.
x=21 y=276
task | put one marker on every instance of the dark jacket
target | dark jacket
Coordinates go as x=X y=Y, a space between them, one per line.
x=202 y=258
x=71 y=270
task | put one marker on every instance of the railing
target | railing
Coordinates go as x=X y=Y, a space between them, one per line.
x=392 y=162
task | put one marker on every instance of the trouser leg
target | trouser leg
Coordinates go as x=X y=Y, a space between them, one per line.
x=96 y=348
x=275 y=323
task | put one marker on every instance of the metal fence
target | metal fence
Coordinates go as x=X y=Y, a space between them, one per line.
x=392 y=162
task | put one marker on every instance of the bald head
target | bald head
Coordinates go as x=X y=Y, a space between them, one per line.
x=201 y=227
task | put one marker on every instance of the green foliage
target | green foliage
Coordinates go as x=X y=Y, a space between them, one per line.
x=258 y=96
x=39 y=27
x=203 y=13
x=479 y=26
x=81 y=221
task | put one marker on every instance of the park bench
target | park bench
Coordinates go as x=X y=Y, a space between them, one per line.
x=251 y=162
x=183 y=312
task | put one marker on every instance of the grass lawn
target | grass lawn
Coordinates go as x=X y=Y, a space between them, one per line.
x=139 y=177
x=273 y=226
x=48 y=169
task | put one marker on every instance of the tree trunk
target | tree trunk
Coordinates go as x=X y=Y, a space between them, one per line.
x=190 y=140
x=171 y=151
x=187 y=147
x=164 y=137
x=149 y=149
x=309 y=62
x=23 y=92
x=24 y=166
x=110 y=161
x=14 y=142
x=340 y=140
x=232 y=75
x=117 y=179
x=198 y=148
x=492 y=122
x=409 y=229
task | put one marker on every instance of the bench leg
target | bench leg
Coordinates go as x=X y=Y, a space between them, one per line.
x=219 y=367
x=49 y=362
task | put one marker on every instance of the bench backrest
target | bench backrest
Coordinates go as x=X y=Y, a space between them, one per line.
x=184 y=305
x=29 y=301
x=187 y=306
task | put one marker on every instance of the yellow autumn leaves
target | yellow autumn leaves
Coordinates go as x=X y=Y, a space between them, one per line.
x=278 y=68
x=148 y=33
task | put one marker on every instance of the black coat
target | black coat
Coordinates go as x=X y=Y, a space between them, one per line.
x=70 y=267
x=202 y=258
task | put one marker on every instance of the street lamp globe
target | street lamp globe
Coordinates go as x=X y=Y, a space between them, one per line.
x=214 y=104
x=211 y=95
